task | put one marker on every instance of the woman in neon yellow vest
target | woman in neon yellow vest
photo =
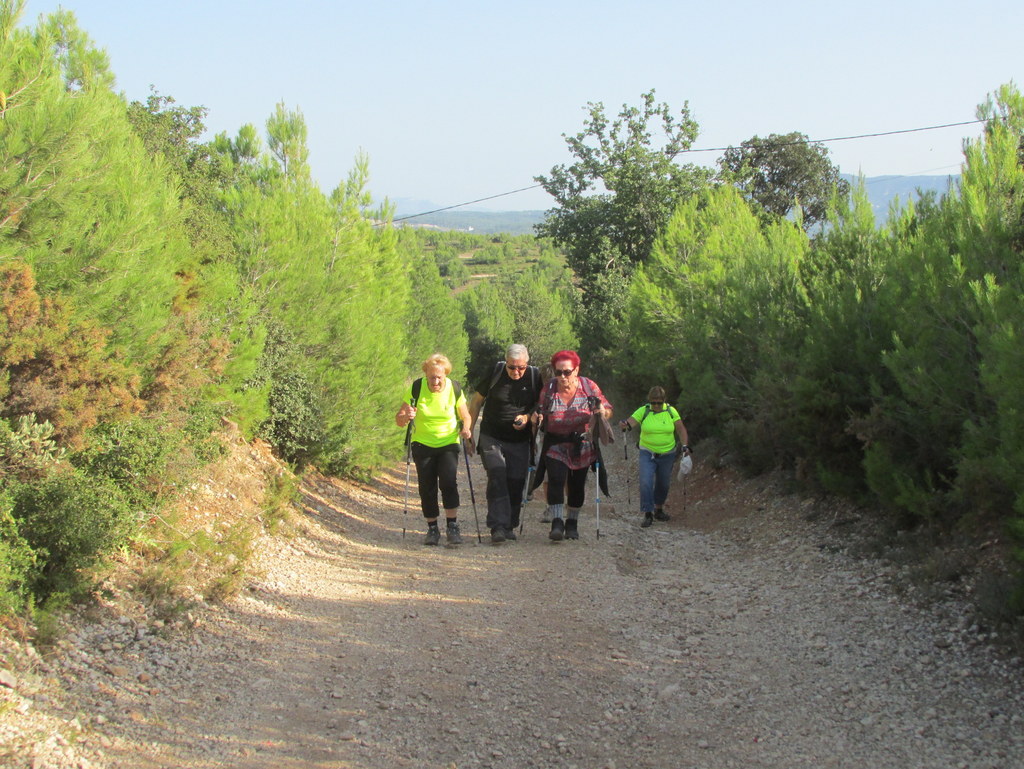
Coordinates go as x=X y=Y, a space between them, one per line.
x=662 y=436
x=437 y=409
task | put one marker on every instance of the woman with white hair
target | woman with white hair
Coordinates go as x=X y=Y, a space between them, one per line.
x=439 y=418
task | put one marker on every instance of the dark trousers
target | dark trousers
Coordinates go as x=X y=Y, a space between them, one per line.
x=436 y=468
x=557 y=473
x=507 y=465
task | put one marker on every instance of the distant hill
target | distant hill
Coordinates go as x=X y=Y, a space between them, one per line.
x=882 y=190
x=481 y=222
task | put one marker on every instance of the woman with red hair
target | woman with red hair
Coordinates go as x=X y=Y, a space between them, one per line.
x=568 y=405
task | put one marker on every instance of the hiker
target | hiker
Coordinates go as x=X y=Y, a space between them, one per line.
x=568 y=405
x=509 y=395
x=663 y=436
x=439 y=417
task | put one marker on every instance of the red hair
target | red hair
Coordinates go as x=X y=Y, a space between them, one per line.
x=568 y=355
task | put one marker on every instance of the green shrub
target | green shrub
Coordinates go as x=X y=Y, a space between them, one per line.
x=204 y=421
x=295 y=426
x=17 y=560
x=71 y=520
x=134 y=455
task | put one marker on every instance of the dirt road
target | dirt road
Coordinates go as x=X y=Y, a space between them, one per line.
x=736 y=635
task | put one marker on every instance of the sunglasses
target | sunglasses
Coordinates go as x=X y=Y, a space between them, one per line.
x=564 y=372
x=510 y=367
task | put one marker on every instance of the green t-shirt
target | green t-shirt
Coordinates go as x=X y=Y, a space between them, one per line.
x=658 y=429
x=437 y=417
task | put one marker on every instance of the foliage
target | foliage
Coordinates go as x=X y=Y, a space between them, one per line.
x=55 y=367
x=70 y=519
x=28 y=451
x=134 y=455
x=712 y=311
x=614 y=200
x=783 y=172
x=17 y=562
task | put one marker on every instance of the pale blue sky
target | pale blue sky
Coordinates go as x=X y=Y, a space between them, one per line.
x=455 y=101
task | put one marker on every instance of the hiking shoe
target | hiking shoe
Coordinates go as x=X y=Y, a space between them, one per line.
x=661 y=515
x=557 y=530
x=433 y=536
x=647 y=521
x=453 y=534
x=546 y=515
x=571 y=532
x=510 y=534
x=497 y=535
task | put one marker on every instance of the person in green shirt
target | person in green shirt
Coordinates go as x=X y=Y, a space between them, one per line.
x=439 y=417
x=662 y=436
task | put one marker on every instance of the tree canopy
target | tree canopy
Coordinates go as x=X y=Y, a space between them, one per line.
x=783 y=171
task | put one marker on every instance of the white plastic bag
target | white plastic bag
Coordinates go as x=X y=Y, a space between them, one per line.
x=685 y=466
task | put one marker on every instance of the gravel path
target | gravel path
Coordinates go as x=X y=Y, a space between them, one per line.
x=737 y=635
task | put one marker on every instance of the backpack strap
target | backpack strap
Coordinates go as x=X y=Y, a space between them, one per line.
x=498 y=367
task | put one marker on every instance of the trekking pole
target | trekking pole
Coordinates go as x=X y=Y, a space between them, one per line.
x=597 y=496
x=408 y=465
x=472 y=496
x=405 y=505
x=625 y=454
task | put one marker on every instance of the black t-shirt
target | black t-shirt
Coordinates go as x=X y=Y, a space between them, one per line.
x=508 y=399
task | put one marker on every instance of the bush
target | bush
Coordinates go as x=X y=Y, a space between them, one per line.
x=133 y=455
x=28 y=451
x=295 y=427
x=17 y=561
x=71 y=520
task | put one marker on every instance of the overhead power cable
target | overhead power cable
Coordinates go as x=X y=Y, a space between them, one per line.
x=467 y=203
x=846 y=138
x=716 y=149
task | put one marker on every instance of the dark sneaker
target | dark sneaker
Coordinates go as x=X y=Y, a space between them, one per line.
x=453 y=534
x=661 y=515
x=497 y=535
x=510 y=534
x=557 y=530
x=571 y=532
x=433 y=536
x=647 y=521
x=546 y=516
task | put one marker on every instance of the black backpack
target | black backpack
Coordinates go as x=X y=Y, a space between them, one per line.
x=647 y=410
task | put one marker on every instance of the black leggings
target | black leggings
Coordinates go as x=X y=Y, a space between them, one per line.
x=436 y=468
x=557 y=473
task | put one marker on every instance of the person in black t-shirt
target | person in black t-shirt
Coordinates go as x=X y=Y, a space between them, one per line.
x=508 y=397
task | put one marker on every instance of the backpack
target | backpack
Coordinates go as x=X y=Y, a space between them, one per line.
x=672 y=412
x=417 y=387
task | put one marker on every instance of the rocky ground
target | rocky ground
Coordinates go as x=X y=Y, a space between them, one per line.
x=739 y=634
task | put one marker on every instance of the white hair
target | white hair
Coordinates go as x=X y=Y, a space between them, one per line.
x=516 y=351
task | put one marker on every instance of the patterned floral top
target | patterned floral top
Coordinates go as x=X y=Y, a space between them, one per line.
x=563 y=419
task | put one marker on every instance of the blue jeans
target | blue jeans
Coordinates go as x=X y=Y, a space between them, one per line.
x=655 y=477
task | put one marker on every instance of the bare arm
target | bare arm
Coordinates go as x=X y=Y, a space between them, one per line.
x=475 y=403
x=684 y=437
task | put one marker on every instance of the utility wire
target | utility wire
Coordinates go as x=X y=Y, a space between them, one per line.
x=467 y=203
x=716 y=149
x=847 y=138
